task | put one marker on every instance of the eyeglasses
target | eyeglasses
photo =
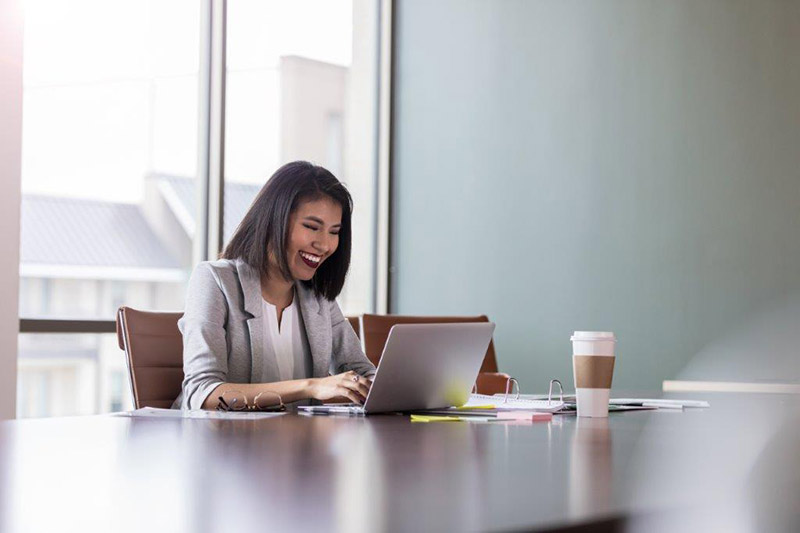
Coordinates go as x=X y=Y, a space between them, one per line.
x=237 y=401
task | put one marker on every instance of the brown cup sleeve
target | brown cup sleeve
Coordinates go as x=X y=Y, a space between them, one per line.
x=593 y=371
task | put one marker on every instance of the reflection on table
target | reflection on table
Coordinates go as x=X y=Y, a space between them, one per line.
x=732 y=466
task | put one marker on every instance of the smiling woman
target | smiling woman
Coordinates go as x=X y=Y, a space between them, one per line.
x=268 y=238
x=263 y=318
x=315 y=228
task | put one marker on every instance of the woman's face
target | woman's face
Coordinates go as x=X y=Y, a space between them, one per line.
x=313 y=236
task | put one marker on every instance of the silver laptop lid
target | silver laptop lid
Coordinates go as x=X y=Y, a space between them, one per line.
x=428 y=366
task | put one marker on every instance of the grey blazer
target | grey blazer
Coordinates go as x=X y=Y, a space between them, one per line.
x=223 y=333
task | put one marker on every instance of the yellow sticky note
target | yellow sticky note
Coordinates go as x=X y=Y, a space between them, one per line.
x=432 y=418
x=472 y=407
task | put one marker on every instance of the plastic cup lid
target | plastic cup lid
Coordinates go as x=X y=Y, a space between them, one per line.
x=593 y=336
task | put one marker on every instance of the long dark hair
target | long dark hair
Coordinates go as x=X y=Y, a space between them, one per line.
x=264 y=230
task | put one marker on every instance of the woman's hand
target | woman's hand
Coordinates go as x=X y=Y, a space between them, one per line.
x=348 y=385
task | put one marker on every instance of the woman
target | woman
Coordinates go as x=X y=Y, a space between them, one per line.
x=263 y=318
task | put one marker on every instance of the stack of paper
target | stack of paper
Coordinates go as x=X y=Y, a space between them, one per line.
x=651 y=403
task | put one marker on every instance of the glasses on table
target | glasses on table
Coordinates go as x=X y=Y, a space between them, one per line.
x=238 y=401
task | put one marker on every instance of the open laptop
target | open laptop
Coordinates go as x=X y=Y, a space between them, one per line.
x=423 y=366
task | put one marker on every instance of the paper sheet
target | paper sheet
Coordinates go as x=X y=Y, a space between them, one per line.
x=154 y=412
x=652 y=402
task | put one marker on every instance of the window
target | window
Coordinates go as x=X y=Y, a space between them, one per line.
x=108 y=173
x=110 y=183
x=301 y=84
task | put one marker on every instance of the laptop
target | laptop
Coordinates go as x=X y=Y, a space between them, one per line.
x=423 y=366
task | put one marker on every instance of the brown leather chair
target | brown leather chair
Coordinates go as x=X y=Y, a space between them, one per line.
x=153 y=348
x=375 y=331
x=356 y=324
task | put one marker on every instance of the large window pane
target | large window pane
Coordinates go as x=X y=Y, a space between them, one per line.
x=301 y=84
x=110 y=117
x=109 y=155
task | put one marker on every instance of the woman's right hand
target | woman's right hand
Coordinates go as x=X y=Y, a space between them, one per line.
x=348 y=385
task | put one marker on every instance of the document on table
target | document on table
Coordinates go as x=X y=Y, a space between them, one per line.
x=154 y=412
x=664 y=403
x=482 y=401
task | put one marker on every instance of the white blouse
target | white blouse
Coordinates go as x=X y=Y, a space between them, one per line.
x=286 y=342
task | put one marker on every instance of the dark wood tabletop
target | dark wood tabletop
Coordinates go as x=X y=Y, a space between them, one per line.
x=733 y=467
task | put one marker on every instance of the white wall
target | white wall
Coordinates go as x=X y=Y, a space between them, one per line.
x=10 y=158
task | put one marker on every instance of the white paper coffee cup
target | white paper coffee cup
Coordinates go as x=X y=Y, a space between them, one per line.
x=592 y=370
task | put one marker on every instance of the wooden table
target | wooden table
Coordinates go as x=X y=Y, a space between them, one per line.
x=734 y=467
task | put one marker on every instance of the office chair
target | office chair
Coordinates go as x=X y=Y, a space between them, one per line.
x=153 y=348
x=356 y=324
x=375 y=331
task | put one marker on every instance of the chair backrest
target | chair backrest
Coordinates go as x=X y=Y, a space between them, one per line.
x=355 y=322
x=493 y=383
x=153 y=348
x=375 y=331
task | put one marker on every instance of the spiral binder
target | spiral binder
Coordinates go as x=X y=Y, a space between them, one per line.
x=504 y=402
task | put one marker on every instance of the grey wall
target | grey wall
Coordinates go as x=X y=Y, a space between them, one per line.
x=620 y=165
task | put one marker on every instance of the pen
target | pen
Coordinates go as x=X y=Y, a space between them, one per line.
x=657 y=402
x=662 y=405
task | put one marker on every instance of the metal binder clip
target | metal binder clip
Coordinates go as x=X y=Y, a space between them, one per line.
x=509 y=388
x=550 y=392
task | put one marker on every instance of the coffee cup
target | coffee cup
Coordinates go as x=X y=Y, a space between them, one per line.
x=593 y=367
